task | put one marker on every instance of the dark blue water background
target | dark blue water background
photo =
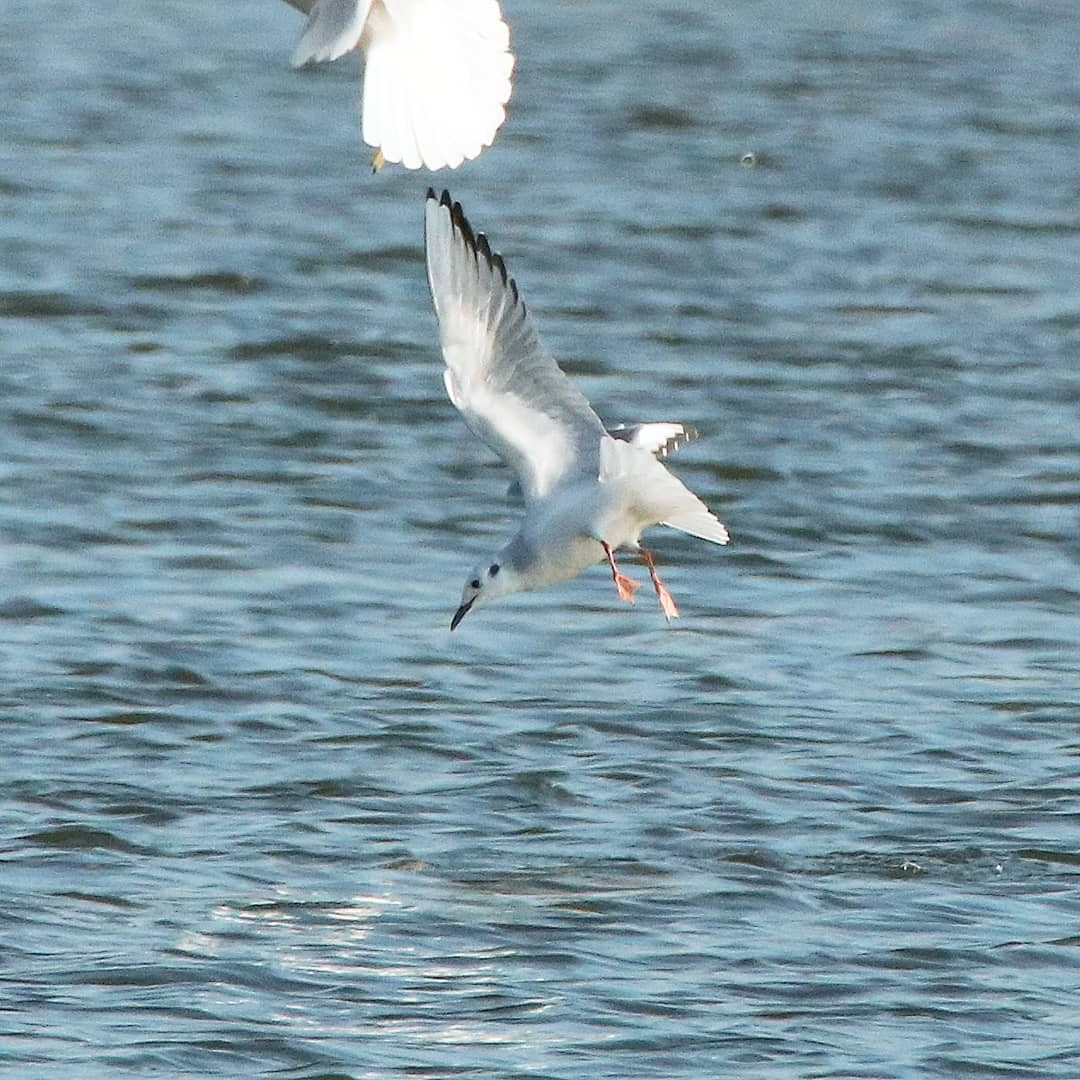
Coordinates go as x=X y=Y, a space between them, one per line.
x=263 y=815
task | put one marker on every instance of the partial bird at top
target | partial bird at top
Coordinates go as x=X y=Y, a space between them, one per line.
x=587 y=491
x=437 y=73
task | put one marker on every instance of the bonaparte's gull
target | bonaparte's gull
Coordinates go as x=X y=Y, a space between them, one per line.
x=587 y=491
x=436 y=77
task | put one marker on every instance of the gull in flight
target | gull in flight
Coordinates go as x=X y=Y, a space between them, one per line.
x=436 y=72
x=587 y=491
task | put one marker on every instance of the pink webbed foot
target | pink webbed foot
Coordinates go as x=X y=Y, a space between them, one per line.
x=667 y=603
x=627 y=586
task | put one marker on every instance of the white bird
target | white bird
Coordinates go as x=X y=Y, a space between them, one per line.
x=436 y=78
x=587 y=491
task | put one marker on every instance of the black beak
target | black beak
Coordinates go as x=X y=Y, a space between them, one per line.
x=460 y=614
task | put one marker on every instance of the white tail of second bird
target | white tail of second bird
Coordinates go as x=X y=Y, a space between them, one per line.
x=437 y=75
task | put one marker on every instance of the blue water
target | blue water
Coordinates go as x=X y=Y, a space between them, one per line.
x=263 y=815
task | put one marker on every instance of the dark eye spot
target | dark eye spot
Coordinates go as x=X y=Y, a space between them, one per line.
x=493 y=569
x=475 y=583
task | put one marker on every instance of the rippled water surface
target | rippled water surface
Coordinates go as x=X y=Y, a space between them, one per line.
x=262 y=814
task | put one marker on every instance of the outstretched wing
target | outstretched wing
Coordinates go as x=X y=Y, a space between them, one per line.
x=660 y=438
x=332 y=29
x=510 y=392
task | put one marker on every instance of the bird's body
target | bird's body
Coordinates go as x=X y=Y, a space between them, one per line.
x=560 y=535
x=587 y=491
x=437 y=72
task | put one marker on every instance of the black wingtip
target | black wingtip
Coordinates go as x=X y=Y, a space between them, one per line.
x=478 y=243
x=461 y=224
x=497 y=262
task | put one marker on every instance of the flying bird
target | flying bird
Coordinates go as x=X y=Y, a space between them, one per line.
x=436 y=76
x=587 y=491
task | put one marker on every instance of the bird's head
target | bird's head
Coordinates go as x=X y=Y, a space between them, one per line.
x=487 y=582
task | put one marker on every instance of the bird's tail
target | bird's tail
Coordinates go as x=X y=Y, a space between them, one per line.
x=436 y=80
x=659 y=495
x=698 y=521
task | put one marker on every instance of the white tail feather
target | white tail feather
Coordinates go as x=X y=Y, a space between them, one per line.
x=436 y=81
x=698 y=521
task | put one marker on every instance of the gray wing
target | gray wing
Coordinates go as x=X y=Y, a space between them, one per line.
x=509 y=391
x=332 y=29
x=660 y=438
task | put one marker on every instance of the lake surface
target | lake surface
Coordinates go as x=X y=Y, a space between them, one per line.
x=263 y=815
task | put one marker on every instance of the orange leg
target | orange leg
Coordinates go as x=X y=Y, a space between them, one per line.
x=667 y=604
x=626 y=586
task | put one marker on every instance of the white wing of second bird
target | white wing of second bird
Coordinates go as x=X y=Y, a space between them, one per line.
x=437 y=73
x=587 y=491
